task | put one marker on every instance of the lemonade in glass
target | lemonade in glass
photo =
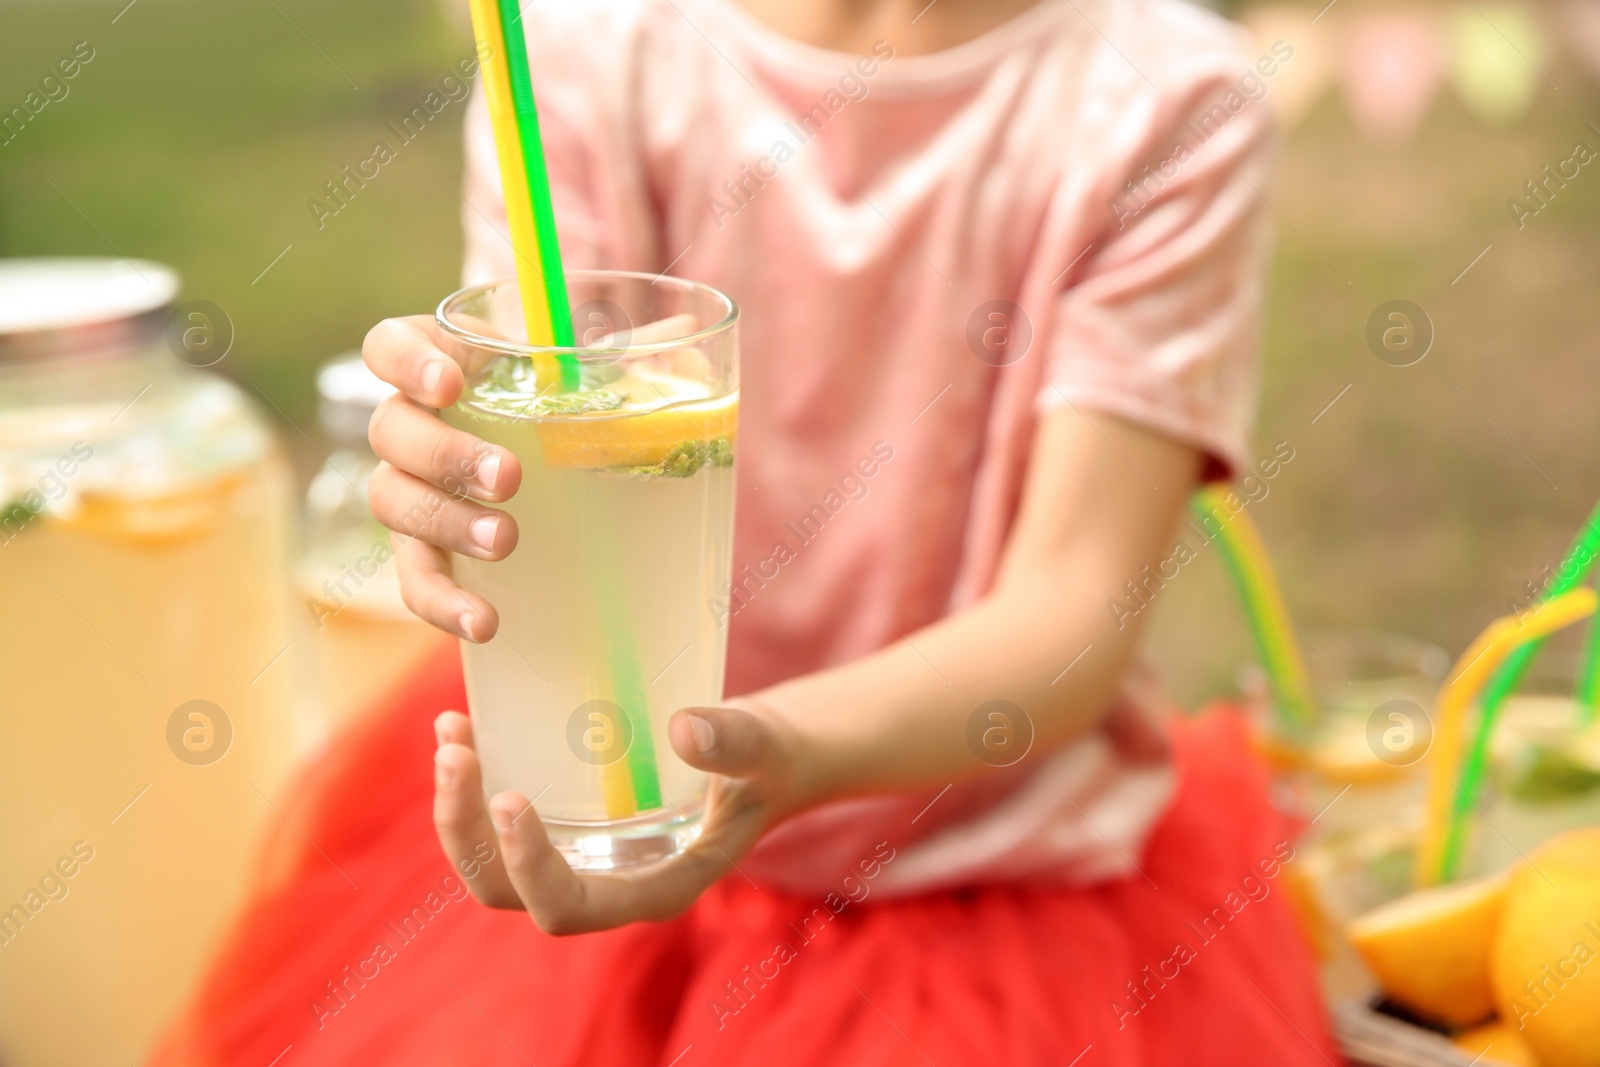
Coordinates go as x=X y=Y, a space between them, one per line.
x=625 y=513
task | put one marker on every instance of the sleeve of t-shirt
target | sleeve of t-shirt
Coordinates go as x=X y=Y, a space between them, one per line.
x=1159 y=323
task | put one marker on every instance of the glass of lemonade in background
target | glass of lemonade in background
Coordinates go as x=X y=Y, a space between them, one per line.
x=625 y=514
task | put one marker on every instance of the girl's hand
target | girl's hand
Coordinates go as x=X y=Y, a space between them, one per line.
x=506 y=859
x=431 y=477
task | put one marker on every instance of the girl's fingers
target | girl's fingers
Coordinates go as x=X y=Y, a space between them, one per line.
x=729 y=741
x=419 y=450
x=564 y=902
x=408 y=505
x=460 y=818
x=405 y=353
x=433 y=596
x=549 y=889
x=454 y=728
x=750 y=747
x=417 y=442
x=750 y=753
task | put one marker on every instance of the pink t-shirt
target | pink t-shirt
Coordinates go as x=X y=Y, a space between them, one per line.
x=929 y=252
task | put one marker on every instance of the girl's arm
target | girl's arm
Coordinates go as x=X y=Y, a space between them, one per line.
x=1101 y=501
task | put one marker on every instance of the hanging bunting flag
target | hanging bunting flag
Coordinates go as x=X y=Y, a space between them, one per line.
x=1498 y=62
x=1393 y=65
x=1582 y=27
x=1301 y=79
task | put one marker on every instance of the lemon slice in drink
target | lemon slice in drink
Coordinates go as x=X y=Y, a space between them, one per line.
x=656 y=438
x=158 y=518
x=643 y=420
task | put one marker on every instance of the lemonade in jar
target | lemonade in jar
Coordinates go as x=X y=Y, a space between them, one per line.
x=146 y=724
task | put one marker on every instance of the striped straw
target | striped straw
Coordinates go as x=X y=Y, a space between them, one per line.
x=1576 y=563
x=630 y=785
x=1438 y=855
x=541 y=279
x=1262 y=600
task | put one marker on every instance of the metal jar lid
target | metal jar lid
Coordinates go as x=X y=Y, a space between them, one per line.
x=52 y=308
x=347 y=395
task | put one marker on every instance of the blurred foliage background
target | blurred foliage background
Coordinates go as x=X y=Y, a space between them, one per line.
x=200 y=131
x=1421 y=501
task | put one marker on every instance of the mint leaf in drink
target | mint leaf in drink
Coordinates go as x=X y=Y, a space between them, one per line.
x=1545 y=774
x=511 y=375
x=687 y=459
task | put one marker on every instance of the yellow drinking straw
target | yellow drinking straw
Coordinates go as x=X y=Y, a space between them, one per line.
x=1262 y=599
x=1475 y=667
x=631 y=784
x=1574 y=568
x=541 y=314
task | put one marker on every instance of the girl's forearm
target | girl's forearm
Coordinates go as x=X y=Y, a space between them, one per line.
x=899 y=718
x=1092 y=517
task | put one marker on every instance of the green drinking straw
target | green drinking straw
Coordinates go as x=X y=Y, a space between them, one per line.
x=1575 y=565
x=627 y=682
x=1262 y=599
x=519 y=153
x=544 y=218
x=1588 y=691
x=622 y=658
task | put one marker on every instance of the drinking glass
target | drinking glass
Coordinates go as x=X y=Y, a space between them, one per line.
x=625 y=514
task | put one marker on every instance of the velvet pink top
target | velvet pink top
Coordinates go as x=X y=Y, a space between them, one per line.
x=929 y=252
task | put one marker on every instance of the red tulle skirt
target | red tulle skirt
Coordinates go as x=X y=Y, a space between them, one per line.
x=361 y=948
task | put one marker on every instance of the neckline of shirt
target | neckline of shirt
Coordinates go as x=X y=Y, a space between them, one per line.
x=931 y=72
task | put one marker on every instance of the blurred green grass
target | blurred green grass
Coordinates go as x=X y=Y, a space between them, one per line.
x=1427 y=495
x=200 y=131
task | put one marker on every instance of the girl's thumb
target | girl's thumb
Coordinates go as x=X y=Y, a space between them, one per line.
x=728 y=741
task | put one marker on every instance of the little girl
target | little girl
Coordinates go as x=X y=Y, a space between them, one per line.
x=1011 y=252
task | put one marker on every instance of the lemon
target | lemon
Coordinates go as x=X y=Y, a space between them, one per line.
x=155 y=519
x=1496 y=1043
x=641 y=418
x=1547 y=954
x=1430 y=950
x=1338 y=752
x=649 y=439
